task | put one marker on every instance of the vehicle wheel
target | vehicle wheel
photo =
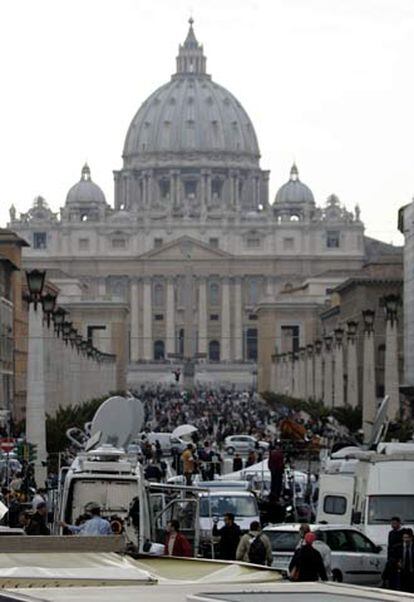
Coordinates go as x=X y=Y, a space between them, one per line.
x=337 y=576
x=230 y=451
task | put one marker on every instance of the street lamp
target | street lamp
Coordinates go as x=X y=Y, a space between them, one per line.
x=72 y=336
x=318 y=346
x=352 y=327
x=339 y=335
x=58 y=319
x=48 y=305
x=309 y=349
x=391 y=303
x=369 y=318
x=35 y=283
x=66 y=328
x=83 y=346
x=328 y=342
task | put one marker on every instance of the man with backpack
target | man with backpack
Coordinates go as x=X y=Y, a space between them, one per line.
x=255 y=546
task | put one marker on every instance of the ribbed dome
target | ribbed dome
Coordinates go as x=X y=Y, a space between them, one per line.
x=85 y=191
x=191 y=113
x=294 y=191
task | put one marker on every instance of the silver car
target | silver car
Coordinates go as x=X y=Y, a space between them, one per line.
x=243 y=444
x=354 y=559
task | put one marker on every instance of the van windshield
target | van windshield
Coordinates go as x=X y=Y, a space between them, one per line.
x=241 y=506
x=381 y=508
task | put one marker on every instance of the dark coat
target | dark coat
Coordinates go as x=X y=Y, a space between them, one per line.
x=309 y=563
x=229 y=540
x=37 y=525
x=394 y=539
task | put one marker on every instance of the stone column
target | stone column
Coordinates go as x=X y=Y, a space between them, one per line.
x=289 y=374
x=310 y=382
x=225 y=320
x=339 y=369
x=295 y=377
x=147 y=320
x=134 y=343
x=202 y=315
x=327 y=373
x=391 y=377
x=238 y=320
x=302 y=373
x=352 y=365
x=170 y=318
x=36 y=392
x=369 y=396
x=318 y=373
x=208 y=184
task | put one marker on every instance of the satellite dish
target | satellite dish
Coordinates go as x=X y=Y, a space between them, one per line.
x=380 y=425
x=115 y=419
x=138 y=413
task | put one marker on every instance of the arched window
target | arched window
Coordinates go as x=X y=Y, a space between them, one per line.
x=214 y=351
x=159 y=350
x=214 y=293
x=251 y=344
x=158 y=295
x=381 y=355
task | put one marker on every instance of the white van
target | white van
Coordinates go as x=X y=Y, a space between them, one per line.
x=167 y=441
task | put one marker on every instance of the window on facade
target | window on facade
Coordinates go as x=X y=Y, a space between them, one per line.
x=190 y=188
x=83 y=244
x=252 y=290
x=213 y=242
x=253 y=317
x=216 y=188
x=159 y=317
x=39 y=240
x=158 y=242
x=332 y=239
x=251 y=344
x=328 y=291
x=214 y=293
x=159 y=350
x=90 y=333
x=253 y=242
x=290 y=339
x=164 y=186
x=118 y=243
x=214 y=351
x=288 y=244
x=158 y=294
x=214 y=317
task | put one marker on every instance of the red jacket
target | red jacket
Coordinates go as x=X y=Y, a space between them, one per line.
x=182 y=546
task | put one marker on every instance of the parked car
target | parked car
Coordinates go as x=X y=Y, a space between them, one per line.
x=243 y=443
x=355 y=558
x=167 y=441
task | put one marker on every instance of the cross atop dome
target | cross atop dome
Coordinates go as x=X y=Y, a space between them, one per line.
x=191 y=59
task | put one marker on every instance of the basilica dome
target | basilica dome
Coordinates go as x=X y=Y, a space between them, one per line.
x=85 y=191
x=294 y=191
x=191 y=114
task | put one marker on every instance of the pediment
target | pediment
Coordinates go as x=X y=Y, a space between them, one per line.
x=186 y=246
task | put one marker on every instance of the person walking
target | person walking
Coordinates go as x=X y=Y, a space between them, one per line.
x=229 y=537
x=307 y=563
x=395 y=536
x=255 y=546
x=276 y=465
x=392 y=574
x=405 y=557
x=187 y=458
x=176 y=544
x=37 y=524
x=237 y=463
x=96 y=525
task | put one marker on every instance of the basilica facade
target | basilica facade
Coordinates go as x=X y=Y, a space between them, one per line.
x=193 y=243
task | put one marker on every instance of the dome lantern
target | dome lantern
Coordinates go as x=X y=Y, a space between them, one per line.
x=191 y=59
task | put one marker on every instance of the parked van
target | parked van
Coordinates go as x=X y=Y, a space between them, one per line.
x=167 y=441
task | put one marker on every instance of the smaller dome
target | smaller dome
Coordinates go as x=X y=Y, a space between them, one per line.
x=294 y=191
x=85 y=191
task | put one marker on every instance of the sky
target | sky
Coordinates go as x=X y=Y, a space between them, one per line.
x=327 y=83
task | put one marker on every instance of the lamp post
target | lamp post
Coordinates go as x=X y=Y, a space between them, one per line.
x=369 y=397
x=318 y=374
x=352 y=364
x=58 y=318
x=36 y=394
x=339 y=368
x=327 y=372
x=391 y=378
x=310 y=382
